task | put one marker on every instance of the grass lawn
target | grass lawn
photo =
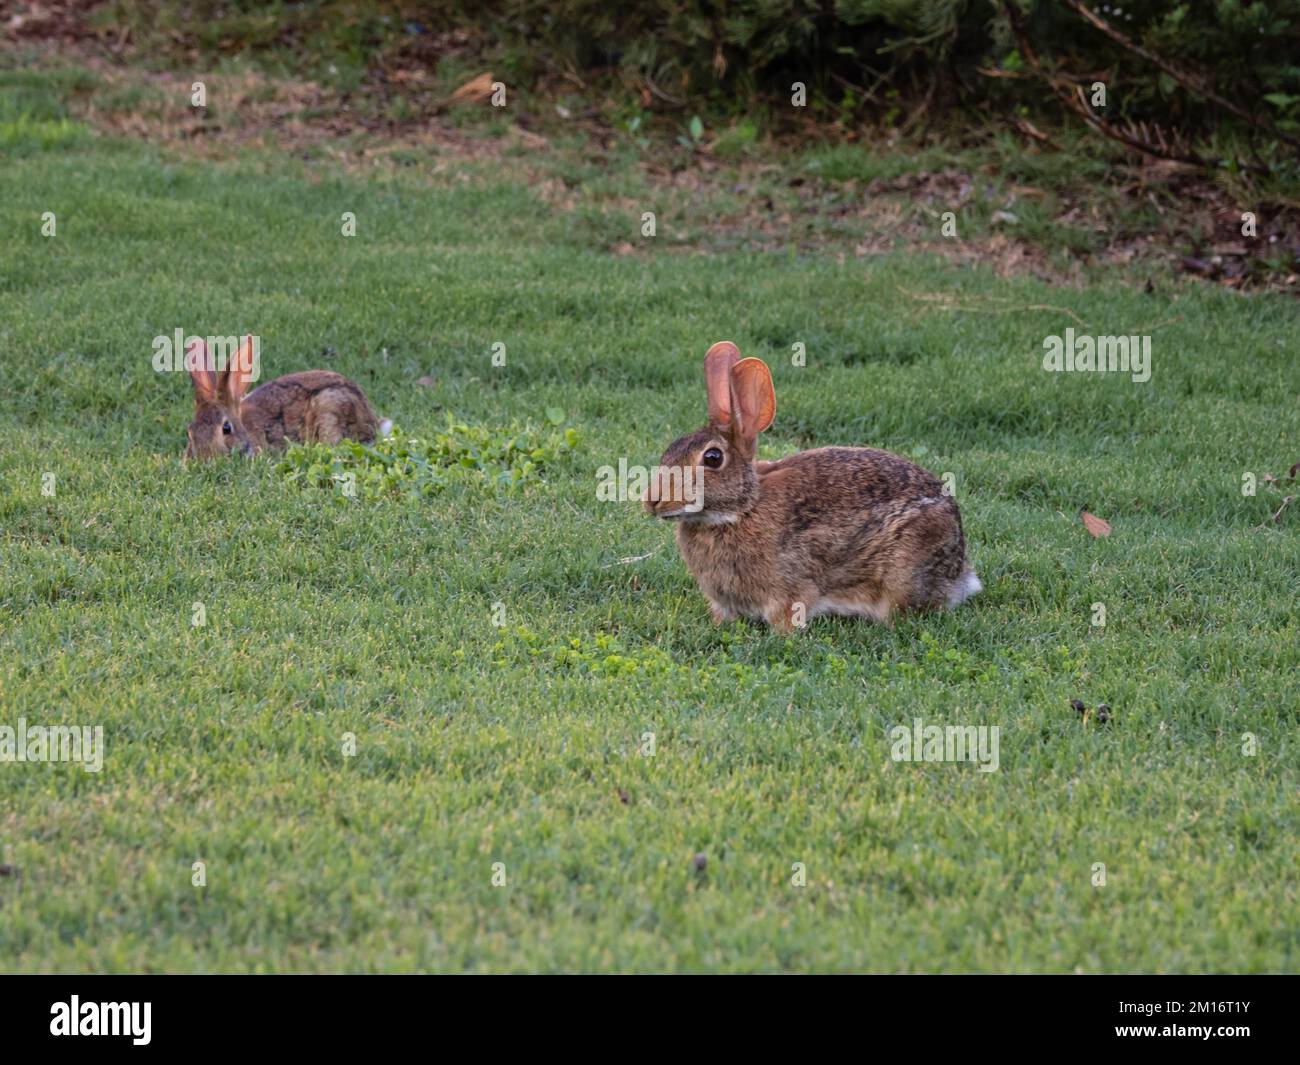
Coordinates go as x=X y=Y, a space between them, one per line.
x=498 y=659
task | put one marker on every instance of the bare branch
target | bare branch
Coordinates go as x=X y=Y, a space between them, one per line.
x=1071 y=94
x=1182 y=77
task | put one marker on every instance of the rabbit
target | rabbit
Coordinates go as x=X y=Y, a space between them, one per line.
x=313 y=405
x=835 y=530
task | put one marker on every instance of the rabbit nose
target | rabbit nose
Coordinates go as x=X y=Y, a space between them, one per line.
x=246 y=450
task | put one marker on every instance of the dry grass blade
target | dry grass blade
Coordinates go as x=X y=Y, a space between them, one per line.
x=946 y=302
x=629 y=560
x=474 y=91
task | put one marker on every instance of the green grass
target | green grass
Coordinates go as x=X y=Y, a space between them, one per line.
x=499 y=661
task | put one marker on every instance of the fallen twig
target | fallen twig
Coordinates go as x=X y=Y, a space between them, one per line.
x=1072 y=95
x=1273 y=520
x=1182 y=77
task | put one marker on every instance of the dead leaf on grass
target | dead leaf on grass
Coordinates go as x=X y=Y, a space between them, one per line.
x=1096 y=526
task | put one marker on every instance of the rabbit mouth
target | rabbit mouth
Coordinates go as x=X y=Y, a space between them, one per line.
x=702 y=517
x=689 y=509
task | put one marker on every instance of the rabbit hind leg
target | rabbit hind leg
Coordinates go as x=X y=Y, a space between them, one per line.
x=333 y=416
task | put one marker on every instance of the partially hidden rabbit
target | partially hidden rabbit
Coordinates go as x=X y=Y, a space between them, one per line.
x=315 y=405
x=835 y=530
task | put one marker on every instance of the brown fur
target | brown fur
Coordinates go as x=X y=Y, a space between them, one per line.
x=836 y=530
x=315 y=405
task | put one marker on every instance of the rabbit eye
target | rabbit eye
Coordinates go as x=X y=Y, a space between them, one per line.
x=225 y=429
x=713 y=458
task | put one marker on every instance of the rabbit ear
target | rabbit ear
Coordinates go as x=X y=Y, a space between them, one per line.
x=717 y=379
x=753 y=399
x=240 y=371
x=202 y=372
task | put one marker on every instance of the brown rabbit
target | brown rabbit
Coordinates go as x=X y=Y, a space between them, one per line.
x=314 y=405
x=836 y=530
